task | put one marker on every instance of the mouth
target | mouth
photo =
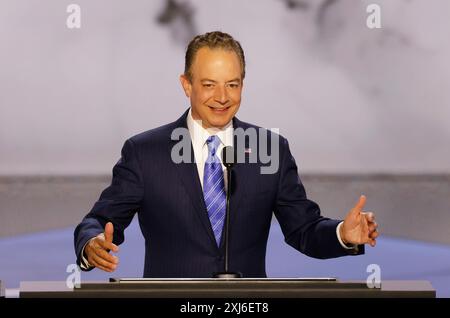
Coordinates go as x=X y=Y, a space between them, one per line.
x=219 y=110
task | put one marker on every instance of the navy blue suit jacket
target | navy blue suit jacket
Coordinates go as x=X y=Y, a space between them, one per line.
x=168 y=198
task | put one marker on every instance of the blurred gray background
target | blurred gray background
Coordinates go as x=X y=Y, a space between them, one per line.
x=365 y=110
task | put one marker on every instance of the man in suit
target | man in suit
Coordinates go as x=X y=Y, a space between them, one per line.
x=181 y=205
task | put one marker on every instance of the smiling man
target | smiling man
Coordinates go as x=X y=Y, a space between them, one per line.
x=181 y=206
x=213 y=81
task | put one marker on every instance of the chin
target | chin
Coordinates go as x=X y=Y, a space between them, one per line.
x=221 y=118
x=218 y=122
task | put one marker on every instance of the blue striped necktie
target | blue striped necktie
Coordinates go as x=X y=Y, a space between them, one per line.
x=214 y=188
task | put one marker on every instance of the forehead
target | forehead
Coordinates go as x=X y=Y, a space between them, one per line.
x=208 y=62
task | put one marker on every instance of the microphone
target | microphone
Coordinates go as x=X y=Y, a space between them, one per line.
x=228 y=160
x=228 y=157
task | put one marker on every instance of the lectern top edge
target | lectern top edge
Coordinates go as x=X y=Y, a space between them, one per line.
x=298 y=279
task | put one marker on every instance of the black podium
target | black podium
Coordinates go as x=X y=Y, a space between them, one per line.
x=228 y=288
x=2 y=290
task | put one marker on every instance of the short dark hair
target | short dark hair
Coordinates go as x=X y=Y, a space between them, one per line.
x=212 y=40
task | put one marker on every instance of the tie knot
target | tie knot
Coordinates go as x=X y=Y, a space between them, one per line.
x=213 y=143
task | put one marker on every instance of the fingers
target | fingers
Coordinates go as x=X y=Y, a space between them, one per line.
x=101 y=267
x=358 y=208
x=370 y=216
x=97 y=251
x=108 y=245
x=373 y=227
x=100 y=252
x=101 y=263
x=360 y=205
x=109 y=232
x=100 y=258
x=374 y=235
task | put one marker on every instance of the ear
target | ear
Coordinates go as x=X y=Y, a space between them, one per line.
x=186 y=84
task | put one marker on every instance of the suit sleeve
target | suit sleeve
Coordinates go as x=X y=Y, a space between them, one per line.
x=301 y=223
x=117 y=203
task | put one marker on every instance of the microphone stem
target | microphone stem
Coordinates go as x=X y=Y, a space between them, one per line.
x=227 y=217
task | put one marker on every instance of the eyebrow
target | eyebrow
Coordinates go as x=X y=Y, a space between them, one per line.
x=213 y=81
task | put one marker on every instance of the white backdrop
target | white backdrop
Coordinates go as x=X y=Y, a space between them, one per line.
x=348 y=98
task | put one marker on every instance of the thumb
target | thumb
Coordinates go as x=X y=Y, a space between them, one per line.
x=360 y=205
x=109 y=231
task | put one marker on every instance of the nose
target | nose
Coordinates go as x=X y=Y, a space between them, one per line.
x=220 y=95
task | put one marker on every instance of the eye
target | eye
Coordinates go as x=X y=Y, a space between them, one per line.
x=234 y=85
x=207 y=85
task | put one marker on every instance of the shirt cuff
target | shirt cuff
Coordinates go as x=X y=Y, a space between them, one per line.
x=338 y=234
x=84 y=264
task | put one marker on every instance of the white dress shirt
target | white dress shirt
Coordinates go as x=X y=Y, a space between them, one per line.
x=199 y=135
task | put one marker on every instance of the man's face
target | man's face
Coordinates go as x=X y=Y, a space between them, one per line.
x=216 y=86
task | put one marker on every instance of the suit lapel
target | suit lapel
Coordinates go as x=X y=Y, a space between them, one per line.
x=188 y=174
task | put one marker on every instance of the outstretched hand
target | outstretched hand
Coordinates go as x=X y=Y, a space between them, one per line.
x=359 y=227
x=98 y=248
